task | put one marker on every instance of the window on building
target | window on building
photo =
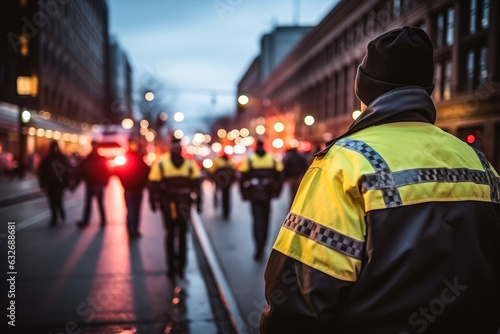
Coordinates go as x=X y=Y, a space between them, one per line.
x=485 y=17
x=440 y=30
x=483 y=68
x=476 y=68
x=24 y=45
x=470 y=70
x=447 y=80
x=472 y=16
x=438 y=78
x=479 y=15
x=445 y=21
x=396 y=8
x=450 y=25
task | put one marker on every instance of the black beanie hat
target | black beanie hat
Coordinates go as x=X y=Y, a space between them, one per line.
x=397 y=58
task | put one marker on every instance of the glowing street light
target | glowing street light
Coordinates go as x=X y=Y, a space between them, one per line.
x=178 y=134
x=243 y=100
x=26 y=116
x=240 y=149
x=356 y=114
x=198 y=138
x=278 y=143
x=144 y=123
x=207 y=163
x=221 y=133
x=235 y=133
x=127 y=123
x=149 y=96
x=178 y=116
x=309 y=120
x=216 y=147
x=279 y=127
x=244 y=132
x=260 y=129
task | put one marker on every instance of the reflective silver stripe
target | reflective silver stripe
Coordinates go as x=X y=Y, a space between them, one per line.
x=493 y=181
x=423 y=175
x=384 y=175
x=324 y=235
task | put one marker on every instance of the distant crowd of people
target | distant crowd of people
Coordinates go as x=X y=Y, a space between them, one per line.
x=174 y=185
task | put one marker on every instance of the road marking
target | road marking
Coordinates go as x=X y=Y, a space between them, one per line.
x=44 y=215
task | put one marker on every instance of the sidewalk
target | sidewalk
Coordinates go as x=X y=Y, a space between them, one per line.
x=14 y=189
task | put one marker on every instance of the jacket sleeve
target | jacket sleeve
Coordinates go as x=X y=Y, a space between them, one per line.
x=317 y=256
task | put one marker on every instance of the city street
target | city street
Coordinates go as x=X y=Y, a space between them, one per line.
x=97 y=279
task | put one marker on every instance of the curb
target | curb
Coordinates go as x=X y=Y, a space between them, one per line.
x=224 y=290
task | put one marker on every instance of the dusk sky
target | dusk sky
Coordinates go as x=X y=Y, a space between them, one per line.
x=198 y=47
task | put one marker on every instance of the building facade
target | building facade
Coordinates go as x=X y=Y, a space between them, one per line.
x=317 y=77
x=120 y=89
x=274 y=47
x=53 y=63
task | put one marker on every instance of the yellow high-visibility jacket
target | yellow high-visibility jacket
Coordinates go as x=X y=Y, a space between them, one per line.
x=222 y=172
x=395 y=229
x=261 y=177
x=173 y=182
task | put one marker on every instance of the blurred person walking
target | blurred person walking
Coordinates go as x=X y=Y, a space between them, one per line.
x=94 y=171
x=295 y=165
x=173 y=180
x=261 y=180
x=396 y=225
x=223 y=175
x=54 y=176
x=134 y=176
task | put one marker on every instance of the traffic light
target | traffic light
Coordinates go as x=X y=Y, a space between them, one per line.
x=472 y=136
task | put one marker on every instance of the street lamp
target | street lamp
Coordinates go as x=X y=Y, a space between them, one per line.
x=127 y=123
x=25 y=116
x=260 y=129
x=279 y=127
x=149 y=96
x=179 y=117
x=243 y=100
x=178 y=134
x=309 y=120
x=221 y=133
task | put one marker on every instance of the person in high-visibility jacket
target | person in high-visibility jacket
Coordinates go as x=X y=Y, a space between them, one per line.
x=396 y=225
x=173 y=181
x=260 y=181
x=223 y=175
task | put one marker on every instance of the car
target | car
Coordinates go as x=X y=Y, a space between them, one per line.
x=113 y=152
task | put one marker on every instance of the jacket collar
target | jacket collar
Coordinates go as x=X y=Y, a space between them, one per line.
x=406 y=104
